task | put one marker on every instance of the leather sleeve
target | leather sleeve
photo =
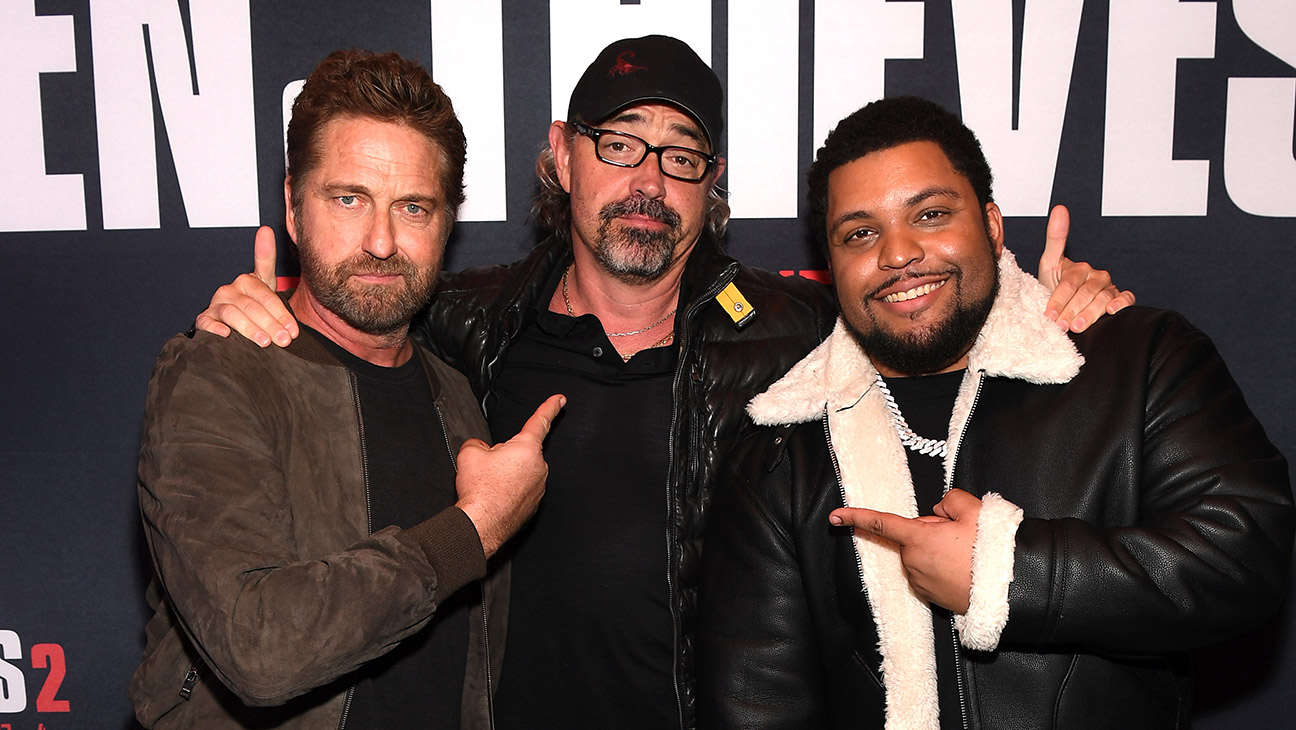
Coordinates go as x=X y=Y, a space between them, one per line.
x=758 y=663
x=474 y=311
x=1205 y=549
x=228 y=533
x=452 y=329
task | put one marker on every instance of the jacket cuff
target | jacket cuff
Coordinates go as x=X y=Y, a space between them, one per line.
x=992 y=571
x=450 y=542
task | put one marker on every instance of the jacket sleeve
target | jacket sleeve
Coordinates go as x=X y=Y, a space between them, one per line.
x=446 y=327
x=269 y=620
x=1206 y=554
x=758 y=662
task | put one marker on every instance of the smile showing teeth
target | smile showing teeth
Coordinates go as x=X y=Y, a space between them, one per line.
x=914 y=293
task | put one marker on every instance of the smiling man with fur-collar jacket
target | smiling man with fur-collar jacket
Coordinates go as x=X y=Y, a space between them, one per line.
x=1097 y=504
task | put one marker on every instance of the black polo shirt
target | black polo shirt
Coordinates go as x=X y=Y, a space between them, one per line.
x=590 y=642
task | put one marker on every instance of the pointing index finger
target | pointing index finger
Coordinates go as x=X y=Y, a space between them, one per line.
x=885 y=525
x=538 y=425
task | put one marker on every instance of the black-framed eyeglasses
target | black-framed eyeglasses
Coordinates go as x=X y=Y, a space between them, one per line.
x=627 y=150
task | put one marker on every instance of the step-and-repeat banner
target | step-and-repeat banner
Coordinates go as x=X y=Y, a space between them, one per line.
x=141 y=141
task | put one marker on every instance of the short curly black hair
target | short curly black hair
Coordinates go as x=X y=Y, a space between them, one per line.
x=888 y=123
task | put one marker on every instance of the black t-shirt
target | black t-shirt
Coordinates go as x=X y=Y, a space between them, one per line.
x=590 y=642
x=927 y=402
x=419 y=683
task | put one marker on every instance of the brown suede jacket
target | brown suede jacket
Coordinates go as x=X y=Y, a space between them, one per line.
x=269 y=587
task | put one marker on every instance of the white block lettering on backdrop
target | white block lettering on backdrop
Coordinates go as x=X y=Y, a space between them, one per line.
x=34 y=45
x=208 y=114
x=1259 y=171
x=579 y=29
x=286 y=99
x=1145 y=40
x=468 y=62
x=13 y=686
x=1022 y=152
x=852 y=41
x=763 y=111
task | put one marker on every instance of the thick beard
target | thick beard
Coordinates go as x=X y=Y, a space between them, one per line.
x=633 y=254
x=936 y=348
x=379 y=310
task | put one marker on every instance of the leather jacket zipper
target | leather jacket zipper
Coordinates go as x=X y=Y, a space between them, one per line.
x=364 y=452
x=364 y=475
x=958 y=650
x=346 y=708
x=672 y=518
x=841 y=488
x=671 y=526
x=958 y=673
x=490 y=689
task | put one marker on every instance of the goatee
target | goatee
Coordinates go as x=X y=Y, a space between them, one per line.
x=375 y=309
x=631 y=253
x=935 y=348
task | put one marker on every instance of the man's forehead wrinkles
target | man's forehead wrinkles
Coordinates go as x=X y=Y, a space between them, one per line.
x=634 y=116
x=630 y=116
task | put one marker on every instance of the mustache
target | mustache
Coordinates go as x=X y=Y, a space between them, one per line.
x=649 y=208
x=364 y=263
x=896 y=279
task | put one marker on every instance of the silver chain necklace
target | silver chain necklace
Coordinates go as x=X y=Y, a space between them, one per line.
x=911 y=440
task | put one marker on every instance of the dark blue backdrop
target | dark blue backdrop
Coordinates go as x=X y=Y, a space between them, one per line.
x=92 y=288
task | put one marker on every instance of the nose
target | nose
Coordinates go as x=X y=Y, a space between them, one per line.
x=897 y=250
x=380 y=239
x=648 y=179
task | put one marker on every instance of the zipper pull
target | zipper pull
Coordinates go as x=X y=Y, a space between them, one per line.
x=191 y=679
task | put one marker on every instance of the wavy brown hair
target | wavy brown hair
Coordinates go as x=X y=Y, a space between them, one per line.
x=385 y=87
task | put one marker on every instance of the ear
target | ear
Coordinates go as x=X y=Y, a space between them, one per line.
x=290 y=216
x=562 y=149
x=994 y=227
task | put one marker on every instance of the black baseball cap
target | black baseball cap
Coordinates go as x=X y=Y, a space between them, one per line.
x=652 y=68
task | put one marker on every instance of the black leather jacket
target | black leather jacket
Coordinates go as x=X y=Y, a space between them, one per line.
x=478 y=313
x=1157 y=519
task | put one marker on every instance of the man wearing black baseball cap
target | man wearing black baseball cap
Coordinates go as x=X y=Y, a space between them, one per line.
x=630 y=308
x=642 y=70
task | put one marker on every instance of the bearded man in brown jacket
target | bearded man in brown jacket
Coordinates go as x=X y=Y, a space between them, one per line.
x=319 y=515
